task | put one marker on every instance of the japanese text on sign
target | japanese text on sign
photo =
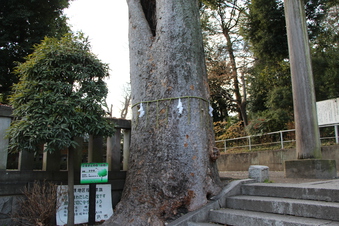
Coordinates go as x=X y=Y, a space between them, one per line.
x=81 y=203
x=94 y=173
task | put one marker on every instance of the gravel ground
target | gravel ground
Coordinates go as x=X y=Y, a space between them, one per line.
x=274 y=177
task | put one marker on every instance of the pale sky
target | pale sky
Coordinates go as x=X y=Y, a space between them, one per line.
x=105 y=22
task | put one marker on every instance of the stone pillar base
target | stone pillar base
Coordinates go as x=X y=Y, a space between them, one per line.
x=310 y=168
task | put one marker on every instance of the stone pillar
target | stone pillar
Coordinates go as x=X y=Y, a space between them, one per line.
x=305 y=112
x=26 y=160
x=127 y=141
x=78 y=154
x=4 y=124
x=95 y=148
x=308 y=145
x=336 y=134
x=311 y=168
x=51 y=161
x=114 y=151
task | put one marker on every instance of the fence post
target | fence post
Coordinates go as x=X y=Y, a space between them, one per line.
x=78 y=154
x=225 y=147
x=281 y=139
x=95 y=147
x=26 y=161
x=5 y=121
x=4 y=124
x=51 y=161
x=113 y=151
x=336 y=134
x=249 y=143
x=127 y=139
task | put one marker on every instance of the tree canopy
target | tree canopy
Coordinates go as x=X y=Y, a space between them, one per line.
x=23 y=24
x=325 y=54
x=225 y=56
x=265 y=30
x=60 y=95
x=257 y=39
x=269 y=83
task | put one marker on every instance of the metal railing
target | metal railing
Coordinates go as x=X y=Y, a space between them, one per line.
x=276 y=140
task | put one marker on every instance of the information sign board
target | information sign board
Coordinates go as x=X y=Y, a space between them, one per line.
x=328 y=111
x=81 y=203
x=94 y=173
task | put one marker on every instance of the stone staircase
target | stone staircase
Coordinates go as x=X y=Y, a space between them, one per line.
x=261 y=204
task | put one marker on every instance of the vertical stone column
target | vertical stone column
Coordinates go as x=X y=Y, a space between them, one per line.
x=114 y=151
x=26 y=160
x=51 y=161
x=127 y=141
x=4 y=124
x=5 y=121
x=336 y=134
x=305 y=113
x=78 y=155
x=95 y=147
x=308 y=163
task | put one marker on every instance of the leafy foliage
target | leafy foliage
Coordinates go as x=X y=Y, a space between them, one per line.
x=268 y=80
x=228 y=130
x=219 y=80
x=270 y=102
x=59 y=96
x=22 y=24
x=263 y=85
x=265 y=30
x=225 y=56
x=325 y=56
x=271 y=106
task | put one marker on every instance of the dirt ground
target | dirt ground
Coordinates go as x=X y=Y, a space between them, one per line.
x=274 y=177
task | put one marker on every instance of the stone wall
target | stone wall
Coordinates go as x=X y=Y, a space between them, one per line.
x=273 y=159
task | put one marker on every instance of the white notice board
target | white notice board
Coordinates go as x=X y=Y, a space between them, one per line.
x=81 y=203
x=328 y=111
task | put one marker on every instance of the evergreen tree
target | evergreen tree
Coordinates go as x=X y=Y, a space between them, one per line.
x=23 y=24
x=265 y=30
x=59 y=97
x=266 y=33
x=325 y=55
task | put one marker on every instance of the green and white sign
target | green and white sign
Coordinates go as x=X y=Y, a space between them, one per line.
x=94 y=173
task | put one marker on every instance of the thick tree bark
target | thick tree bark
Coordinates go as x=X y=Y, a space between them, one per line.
x=170 y=170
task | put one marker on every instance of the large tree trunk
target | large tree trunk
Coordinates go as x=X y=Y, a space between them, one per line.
x=171 y=170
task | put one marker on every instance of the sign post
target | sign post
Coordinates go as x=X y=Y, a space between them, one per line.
x=93 y=173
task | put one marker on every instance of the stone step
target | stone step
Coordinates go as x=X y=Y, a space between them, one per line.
x=202 y=224
x=286 y=206
x=314 y=191
x=251 y=218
